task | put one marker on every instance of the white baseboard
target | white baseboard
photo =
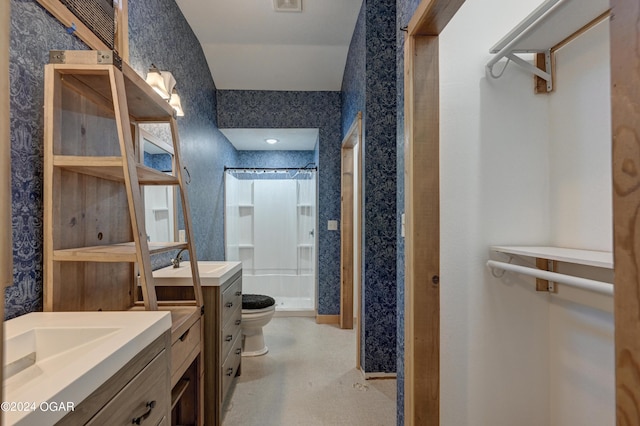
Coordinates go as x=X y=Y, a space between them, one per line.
x=378 y=376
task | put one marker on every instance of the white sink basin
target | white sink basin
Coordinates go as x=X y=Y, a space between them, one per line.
x=212 y=273
x=62 y=357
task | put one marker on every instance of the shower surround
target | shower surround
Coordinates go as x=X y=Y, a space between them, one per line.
x=270 y=225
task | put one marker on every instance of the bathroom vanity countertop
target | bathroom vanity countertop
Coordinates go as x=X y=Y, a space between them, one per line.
x=212 y=273
x=54 y=358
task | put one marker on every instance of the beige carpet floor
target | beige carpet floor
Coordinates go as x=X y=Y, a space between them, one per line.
x=308 y=378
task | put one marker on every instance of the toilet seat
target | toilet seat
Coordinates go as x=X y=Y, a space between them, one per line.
x=257 y=302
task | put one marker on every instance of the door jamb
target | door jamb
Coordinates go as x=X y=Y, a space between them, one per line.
x=422 y=211
x=352 y=140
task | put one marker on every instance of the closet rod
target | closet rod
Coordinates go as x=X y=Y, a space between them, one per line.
x=584 y=283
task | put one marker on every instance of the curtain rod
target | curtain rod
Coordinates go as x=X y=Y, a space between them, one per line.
x=284 y=169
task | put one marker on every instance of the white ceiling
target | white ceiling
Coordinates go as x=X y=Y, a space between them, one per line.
x=249 y=46
x=288 y=139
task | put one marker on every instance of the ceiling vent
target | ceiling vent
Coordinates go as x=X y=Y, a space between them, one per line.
x=287 y=5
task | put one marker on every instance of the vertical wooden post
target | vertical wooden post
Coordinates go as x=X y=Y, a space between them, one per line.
x=422 y=207
x=6 y=247
x=422 y=204
x=350 y=236
x=625 y=98
x=121 y=36
x=346 y=237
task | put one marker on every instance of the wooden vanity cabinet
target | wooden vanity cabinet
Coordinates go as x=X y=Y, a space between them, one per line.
x=139 y=390
x=222 y=339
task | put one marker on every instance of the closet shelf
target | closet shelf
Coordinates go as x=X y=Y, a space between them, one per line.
x=111 y=168
x=543 y=272
x=600 y=259
x=547 y=28
x=123 y=252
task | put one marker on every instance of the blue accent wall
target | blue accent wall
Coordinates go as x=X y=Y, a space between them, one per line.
x=321 y=110
x=159 y=34
x=369 y=85
x=275 y=158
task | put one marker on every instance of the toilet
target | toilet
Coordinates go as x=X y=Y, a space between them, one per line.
x=257 y=311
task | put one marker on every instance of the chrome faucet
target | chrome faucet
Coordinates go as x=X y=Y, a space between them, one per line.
x=176 y=260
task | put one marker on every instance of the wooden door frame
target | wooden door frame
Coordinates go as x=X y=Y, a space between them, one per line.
x=6 y=247
x=625 y=126
x=422 y=211
x=351 y=195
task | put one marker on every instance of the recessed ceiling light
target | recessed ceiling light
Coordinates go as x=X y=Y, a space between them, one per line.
x=271 y=141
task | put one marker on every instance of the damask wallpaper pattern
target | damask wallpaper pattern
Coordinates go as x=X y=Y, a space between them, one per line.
x=369 y=84
x=321 y=110
x=33 y=33
x=275 y=158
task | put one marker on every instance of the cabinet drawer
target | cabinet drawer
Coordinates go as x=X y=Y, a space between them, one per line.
x=231 y=330
x=231 y=365
x=184 y=350
x=231 y=298
x=147 y=394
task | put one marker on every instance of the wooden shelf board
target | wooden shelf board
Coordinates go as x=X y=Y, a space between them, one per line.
x=111 y=168
x=600 y=259
x=143 y=102
x=149 y=176
x=123 y=252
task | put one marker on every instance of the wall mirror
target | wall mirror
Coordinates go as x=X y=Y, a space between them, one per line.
x=159 y=200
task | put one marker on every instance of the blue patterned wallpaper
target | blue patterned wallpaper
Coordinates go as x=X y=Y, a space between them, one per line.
x=162 y=162
x=275 y=158
x=369 y=84
x=33 y=33
x=159 y=34
x=279 y=109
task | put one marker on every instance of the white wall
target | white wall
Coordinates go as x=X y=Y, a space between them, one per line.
x=511 y=356
x=581 y=346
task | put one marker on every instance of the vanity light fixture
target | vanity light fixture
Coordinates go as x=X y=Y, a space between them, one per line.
x=271 y=141
x=161 y=81
x=175 y=103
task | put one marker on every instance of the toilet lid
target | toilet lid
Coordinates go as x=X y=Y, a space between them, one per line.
x=257 y=301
